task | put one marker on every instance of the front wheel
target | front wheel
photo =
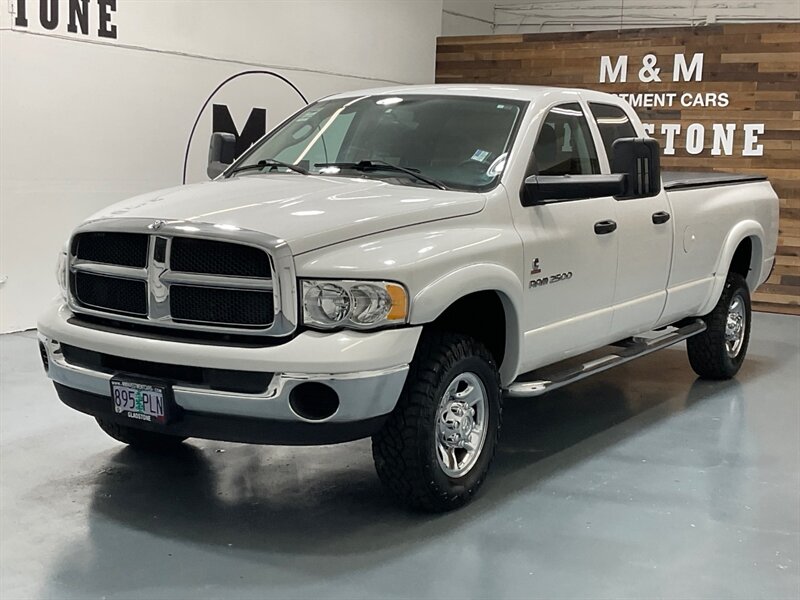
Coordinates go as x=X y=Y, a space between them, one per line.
x=718 y=352
x=435 y=450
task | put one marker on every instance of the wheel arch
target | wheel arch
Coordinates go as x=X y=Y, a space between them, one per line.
x=490 y=290
x=743 y=253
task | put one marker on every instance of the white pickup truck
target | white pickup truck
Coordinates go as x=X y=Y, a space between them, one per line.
x=392 y=263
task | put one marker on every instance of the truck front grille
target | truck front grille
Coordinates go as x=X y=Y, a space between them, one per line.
x=173 y=280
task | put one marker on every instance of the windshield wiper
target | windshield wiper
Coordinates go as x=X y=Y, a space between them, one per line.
x=379 y=165
x=269 y=162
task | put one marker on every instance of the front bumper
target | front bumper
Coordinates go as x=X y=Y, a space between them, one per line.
x=226 y=428
x=366 y=370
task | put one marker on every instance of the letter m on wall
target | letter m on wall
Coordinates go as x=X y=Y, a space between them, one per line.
x=253 y=130
x=610 y=73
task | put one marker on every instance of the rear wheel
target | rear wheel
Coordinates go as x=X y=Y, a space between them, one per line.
x=435 y=450
x=140 y=439
x=718 y=352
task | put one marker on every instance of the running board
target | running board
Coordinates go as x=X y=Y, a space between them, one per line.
x=633 y=349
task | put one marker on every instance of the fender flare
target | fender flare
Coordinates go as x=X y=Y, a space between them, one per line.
x=740 y=231
x=436 y=297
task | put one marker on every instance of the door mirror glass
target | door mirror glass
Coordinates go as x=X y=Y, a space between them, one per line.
x=639 y=160
x=221 y=153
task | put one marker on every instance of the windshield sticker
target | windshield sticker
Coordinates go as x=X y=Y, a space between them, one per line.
x=480 y=155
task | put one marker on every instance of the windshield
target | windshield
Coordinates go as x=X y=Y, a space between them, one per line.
x=452 y=142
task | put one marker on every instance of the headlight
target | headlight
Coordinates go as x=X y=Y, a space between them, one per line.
x=61 y=272
x=354 y=304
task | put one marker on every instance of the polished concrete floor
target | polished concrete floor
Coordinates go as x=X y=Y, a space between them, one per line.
x=640 y=483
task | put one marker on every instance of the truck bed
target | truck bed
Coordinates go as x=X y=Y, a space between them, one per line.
x=681 y=180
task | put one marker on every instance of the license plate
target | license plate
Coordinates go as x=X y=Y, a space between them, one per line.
x=142 y=401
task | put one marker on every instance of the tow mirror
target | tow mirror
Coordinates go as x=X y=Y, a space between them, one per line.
x=221 y=153
x=545 y=189
x=639 y=159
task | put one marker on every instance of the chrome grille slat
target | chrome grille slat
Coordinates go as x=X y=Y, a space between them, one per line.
x=110 y=270
x=279 y=293
x=221 y=281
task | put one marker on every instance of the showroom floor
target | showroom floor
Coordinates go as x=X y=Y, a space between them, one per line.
x=640 y=483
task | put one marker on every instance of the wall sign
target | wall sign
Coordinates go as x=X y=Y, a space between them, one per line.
x=246 y=104
x=723 y=135
x=718 y=98
x=83 y=17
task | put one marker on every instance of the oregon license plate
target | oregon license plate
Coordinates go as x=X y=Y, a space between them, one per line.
x=142 y=401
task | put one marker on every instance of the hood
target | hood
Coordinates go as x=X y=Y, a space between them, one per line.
x=307 y=211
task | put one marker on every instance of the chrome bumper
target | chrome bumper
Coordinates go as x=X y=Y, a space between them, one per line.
x=362 y=395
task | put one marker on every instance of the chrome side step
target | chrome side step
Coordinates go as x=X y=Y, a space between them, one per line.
x=635 y=348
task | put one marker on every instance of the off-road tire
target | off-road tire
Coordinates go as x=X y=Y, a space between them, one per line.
x=139 y=439
x=708 y=353
x=404 y=450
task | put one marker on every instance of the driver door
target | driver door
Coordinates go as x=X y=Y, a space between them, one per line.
x=570 y=248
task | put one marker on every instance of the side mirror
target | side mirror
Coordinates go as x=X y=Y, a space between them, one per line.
x=544 y=189
x=221 y=153
x=640 y=160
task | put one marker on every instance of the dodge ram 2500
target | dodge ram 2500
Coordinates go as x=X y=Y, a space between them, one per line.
x=393 y=263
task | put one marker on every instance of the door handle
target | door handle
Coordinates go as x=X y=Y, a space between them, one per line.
x=660 y=217
x=603 y=227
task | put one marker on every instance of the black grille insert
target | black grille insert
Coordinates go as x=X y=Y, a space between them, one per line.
x=127 y=296
x=126 y=249
x=243 y=382
x=190 y=255
x=221 y=306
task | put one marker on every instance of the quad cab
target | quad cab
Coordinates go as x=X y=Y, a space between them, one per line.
x=393 y=263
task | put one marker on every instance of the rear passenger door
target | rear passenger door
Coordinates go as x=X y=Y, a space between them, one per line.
x=645 y=236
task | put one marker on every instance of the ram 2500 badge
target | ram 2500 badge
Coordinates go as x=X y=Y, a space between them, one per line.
x=393 y=263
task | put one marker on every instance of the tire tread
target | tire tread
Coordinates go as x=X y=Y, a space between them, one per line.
x=402 y=465
x=707 y=353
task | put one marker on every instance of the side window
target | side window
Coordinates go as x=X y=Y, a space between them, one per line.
x=565 y=145
x=613 y=124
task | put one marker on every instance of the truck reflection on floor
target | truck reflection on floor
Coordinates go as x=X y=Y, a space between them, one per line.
x=264 y=496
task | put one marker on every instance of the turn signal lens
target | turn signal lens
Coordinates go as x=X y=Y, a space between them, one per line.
x=399 y=310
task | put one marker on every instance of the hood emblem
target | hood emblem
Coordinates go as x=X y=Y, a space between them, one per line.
x=156 y=225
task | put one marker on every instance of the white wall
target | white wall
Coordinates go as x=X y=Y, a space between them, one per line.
x=589 y=15
x=467 y=17
x=88 y=120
